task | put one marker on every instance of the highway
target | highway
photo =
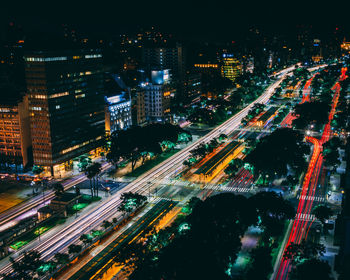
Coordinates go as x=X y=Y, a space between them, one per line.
x=29 y=208
x=304 y=219
x=60 y=238
x=13 y=215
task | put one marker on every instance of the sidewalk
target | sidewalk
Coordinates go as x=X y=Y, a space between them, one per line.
x=327 y=239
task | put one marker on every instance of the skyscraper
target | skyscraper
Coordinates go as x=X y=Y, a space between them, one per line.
x=158 y=95
x=165 y=57
x=66 y=105
x=230 y=67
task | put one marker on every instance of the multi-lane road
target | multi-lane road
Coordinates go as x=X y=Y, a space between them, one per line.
x=59 y=238
x=28 y=208
x=304 y=219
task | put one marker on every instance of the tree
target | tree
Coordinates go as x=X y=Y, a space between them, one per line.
x=74 y=249
x=222 y=136
x=92 y=172
x=138 y=142
x=59 y=189
x=307 y=113
x=233 y=167
x=331 y=159
x=193 y=202
x=312 y=269
x=106 y=224
x=86 y=239
x=26 y=267
x=199 y=151
x=61 y=258
x=306 y=250
x=276 y=153
x=37 y=170
x=84 y=162
x=131 y=201
x=261 y=264
x=97 y=167
x=272 y=210
x=322 y=213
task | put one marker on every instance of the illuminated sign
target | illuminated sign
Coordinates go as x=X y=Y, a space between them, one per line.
x=160 y=77
x=227 y=55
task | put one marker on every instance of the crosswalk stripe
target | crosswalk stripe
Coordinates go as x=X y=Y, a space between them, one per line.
x=313 y=198
x=304 y=217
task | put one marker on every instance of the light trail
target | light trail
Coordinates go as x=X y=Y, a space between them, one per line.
x=62 y=237
x=299 y=229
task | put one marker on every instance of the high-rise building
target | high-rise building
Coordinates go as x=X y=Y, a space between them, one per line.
x=117 y=104
x=15 y=140
x=66 y=106
x=158 y=95
x=231 y=68
x=193 y=85
x=316 y=50
x=138 y=105
x=118 y=112
x=167 y=57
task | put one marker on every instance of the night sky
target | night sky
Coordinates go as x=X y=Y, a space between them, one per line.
x=191 y=19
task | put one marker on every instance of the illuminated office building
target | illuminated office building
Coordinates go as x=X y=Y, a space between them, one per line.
x=158 y=95
x=167 y=57
x=138 y=112
x=118 y=112
x=230 y=67
x=66 y=106
x=15 y=140
x=316 y=50
x=117 y=104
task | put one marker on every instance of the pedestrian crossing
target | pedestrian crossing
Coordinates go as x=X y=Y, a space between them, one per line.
x=313 y=198
x=227 y=189
x=235 y=189
x=157 y=199
x=304 y=217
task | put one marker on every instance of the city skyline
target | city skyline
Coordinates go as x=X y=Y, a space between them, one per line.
x=174 y=141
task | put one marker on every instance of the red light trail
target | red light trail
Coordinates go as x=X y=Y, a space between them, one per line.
x=303 y=220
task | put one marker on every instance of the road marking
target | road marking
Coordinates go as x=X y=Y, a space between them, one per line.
x=313 y=198
x=304 y=217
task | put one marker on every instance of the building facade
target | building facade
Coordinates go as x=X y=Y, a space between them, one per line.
x=157 y=102
x=66 y=106
x=230 y=67
x=138 y=112
x=117 y=112
x=15 y=140
x=158 y=95
x=167 y=57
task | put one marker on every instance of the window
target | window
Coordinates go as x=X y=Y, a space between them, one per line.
x=93 y=55
x=44 y=59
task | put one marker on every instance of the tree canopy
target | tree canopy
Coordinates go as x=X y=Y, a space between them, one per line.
x=131 y=201
x=137 y=142
x=210 y=236
x=314 y=112
x=276 y=152
x=312 y=269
